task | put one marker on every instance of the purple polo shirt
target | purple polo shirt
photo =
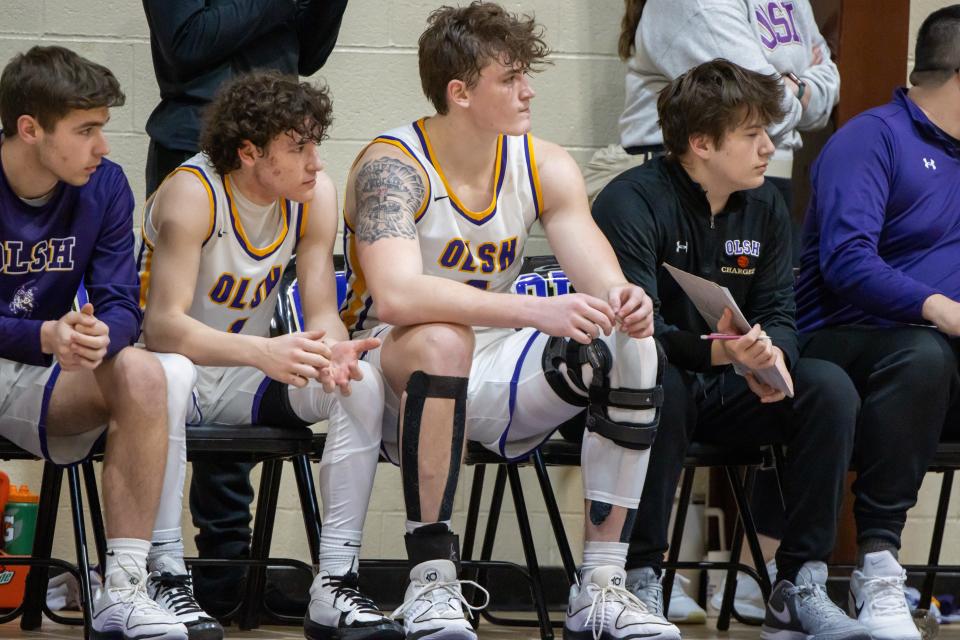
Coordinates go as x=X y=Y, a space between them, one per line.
x=882 y=232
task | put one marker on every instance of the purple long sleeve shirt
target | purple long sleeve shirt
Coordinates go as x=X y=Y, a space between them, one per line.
x=83 y=233
x=882 y=232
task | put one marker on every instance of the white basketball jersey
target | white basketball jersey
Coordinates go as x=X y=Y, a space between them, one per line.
x=480 y=248
x=237 y=283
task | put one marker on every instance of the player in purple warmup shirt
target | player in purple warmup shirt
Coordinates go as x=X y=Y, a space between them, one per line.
x=67 y=377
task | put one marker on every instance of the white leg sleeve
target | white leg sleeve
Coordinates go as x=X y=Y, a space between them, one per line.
x=611 y=473
x=350 y=456
x=181 y=377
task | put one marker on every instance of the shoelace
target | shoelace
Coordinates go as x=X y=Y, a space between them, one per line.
x=450 y=589
x=346 y=587
x=886 y=594
x=135 y=589
x=597 y=615
x=177 y=592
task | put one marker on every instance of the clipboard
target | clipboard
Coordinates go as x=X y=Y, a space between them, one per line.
x=711 y=299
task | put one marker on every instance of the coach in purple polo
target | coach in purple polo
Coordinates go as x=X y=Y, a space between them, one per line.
x=879 y=294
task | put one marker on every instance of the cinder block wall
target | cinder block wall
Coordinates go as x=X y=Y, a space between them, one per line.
x=373 y=78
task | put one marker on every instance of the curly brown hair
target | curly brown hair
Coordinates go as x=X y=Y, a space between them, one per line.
x=258 y=107
x=714 y=98
x=460 y=41
x=49 y=82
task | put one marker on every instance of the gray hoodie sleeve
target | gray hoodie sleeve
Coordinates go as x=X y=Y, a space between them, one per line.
x=681 y=35
x=823 y=80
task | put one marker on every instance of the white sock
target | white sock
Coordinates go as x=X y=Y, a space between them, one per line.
x=339 y=551
x=413 y=525
x=602 y=554
x=166 y=552
x=125 y=556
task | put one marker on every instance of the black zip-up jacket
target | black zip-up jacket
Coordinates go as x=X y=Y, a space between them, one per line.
x=655 y=214
x=197 y=45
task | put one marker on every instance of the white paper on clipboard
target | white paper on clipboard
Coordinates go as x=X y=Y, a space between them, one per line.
x=711 y=299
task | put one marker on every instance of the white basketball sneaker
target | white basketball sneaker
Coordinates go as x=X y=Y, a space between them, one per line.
x=603 y=609
x=877 y=598
x=124 y=611
x=339 y=610
x=645 y=584
x=434 y=606
x=748 y=599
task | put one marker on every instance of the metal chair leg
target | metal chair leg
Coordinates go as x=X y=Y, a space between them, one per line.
x=679 y=522
x=490 y=533
x=260 y=547
x=939 y=524
x=96 y=513
x=308 y=506
x=730 y=581
x=529 y=552
x=35 y=593
x=556 y=522
x=473 y=511
x=80 y=537
x=741 y=493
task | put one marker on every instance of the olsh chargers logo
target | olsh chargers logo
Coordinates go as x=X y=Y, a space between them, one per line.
x=741 y=251
x=5 y=577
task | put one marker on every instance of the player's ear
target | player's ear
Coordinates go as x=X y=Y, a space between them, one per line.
x=458 y=94
x=701 y=145
x=248 y=153
x=28 y=129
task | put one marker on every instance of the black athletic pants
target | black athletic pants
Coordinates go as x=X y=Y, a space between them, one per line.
x=908 y=383
x=816 y=427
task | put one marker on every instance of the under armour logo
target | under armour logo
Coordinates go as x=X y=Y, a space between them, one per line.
x=929 y=163
x=431 y=576
x=681 y=246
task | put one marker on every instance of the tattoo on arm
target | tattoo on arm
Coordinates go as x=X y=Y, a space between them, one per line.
x=388 y=194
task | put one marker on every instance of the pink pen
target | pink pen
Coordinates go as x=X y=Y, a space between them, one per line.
x=727 y=336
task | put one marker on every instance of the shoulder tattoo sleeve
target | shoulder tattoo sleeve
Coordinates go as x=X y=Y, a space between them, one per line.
x=388 y=194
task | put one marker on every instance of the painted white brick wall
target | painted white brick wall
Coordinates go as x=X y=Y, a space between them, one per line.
x=373 y=78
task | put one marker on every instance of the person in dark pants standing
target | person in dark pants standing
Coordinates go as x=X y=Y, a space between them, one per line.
x=879 y=294
x=706 y=209
x=197 y=45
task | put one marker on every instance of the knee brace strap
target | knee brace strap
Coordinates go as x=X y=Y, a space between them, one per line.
x=421 y=386
x=572 y=354
x=626 y=434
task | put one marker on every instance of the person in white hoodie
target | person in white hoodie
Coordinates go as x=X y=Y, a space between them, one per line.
x=661 y=39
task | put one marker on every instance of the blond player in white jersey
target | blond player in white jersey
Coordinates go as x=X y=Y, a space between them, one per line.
x=435 y=207
x=217 y=236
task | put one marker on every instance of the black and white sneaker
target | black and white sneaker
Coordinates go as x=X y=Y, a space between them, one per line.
x=434 y=607
x=804 y=611
x=124 y=611
x=338 y=611
x=601 y=608
x=174 y=593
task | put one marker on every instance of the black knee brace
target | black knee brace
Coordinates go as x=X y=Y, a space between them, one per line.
x=420 y=387
x=432 y=542
x=275 y=409
x=600 y=395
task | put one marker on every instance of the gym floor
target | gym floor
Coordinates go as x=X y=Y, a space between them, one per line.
x=51 y=631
